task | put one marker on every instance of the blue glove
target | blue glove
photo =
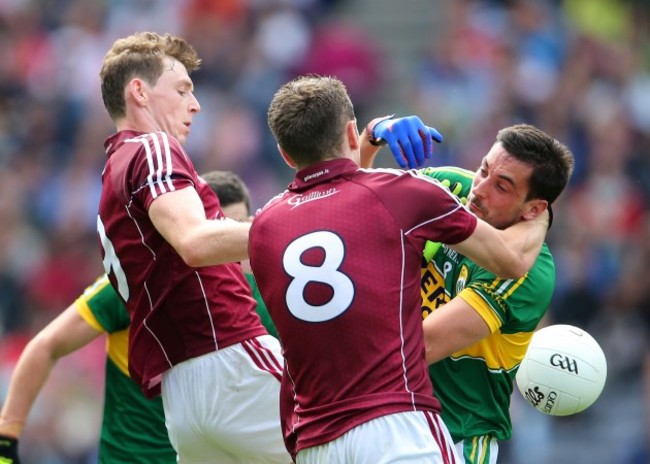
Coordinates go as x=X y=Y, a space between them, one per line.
x=409 y=138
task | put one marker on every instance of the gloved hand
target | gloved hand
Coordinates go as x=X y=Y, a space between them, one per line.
x=409 y=138
x=455 y=189
x=9 y=450
x=430 y=250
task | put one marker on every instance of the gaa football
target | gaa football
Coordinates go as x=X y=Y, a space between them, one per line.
x=563 y=372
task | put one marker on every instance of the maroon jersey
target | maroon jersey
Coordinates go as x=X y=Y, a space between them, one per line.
x=177 y=312
x=337 y=260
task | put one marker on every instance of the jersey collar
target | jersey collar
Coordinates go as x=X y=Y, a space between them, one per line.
x=322 y=172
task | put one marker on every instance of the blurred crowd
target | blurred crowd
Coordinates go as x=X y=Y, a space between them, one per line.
x=577 y=69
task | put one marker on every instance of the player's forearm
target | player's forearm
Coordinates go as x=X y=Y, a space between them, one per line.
x=488 y=248
x=215 y=242
x=368 y=151
x=527 y=237
x=450 y=328
x=29 y=376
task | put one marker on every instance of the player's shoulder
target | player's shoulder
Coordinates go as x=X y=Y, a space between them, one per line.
x=535 y=286
x=99 y=285
x=159 y=144
x=544 y=265
x=277 y=199
x=393 y=177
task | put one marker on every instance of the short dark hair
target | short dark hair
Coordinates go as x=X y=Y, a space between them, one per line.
x=140 y=55
x=308 y=116
x=552 y=161
x=229 y=188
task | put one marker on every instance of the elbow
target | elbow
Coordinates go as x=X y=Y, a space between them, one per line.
x=512 y=273
x=43 y=346
x=429 y=354
x=513 y=269
x=190 y=255
x=519 y=269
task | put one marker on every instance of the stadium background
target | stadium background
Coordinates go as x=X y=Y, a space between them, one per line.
x=578 y=69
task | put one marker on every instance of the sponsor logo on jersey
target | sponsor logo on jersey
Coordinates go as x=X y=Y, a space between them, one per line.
x=315 y=175
x=298 y=200
x=451 y=254
x=432 y=287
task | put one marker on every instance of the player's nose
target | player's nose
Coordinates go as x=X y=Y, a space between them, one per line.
x=195 y=106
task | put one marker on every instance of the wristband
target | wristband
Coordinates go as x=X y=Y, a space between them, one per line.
x=370 y=131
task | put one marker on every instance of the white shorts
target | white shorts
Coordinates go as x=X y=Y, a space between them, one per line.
x=224 y=406
x=483 y=449
x=413 y=437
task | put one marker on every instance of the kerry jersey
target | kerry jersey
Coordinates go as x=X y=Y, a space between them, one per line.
x=177 y=312
x=133 y=428
x=261 y=306
x=337 y=261
x=474 y=385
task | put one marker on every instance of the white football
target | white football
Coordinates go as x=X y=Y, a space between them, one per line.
x=563 y=372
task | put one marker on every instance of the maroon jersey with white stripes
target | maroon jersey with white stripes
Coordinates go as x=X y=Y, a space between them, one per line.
x=177 y=312
x=337 y=260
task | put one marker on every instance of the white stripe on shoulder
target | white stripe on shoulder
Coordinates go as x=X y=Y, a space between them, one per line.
x=158 y=153
x=168 y=161
x=437 y=218
x=158 y=162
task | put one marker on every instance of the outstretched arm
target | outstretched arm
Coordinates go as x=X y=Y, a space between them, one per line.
x=65 y=334
x=179 y=216
x=508 y=253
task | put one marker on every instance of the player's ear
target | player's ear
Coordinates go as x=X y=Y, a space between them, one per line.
x=287 y=159
x=136 y=91
x=352 y=135
x=534 y=209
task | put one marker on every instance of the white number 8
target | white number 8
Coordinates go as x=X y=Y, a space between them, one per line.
x=327 y=273
x=111 y=261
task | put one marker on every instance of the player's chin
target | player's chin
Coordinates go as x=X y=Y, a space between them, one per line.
x=182 y=137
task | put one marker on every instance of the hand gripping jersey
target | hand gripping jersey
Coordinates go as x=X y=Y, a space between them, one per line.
x=337 y=261
x=133 y=427
x=177 y=312
x=474 y=385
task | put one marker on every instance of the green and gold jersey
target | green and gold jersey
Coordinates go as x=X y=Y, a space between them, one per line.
x=133 y=427
x=261 y=306
x=474 y=385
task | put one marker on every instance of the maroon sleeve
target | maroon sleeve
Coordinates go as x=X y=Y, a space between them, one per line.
x=160 y=166
x=426 y=209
